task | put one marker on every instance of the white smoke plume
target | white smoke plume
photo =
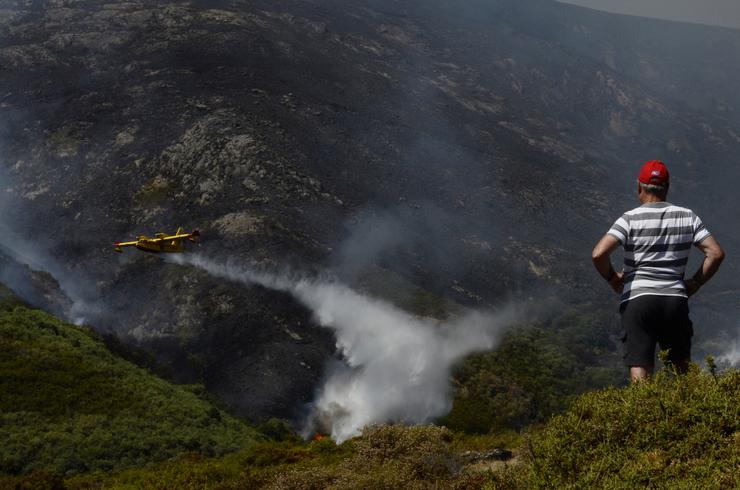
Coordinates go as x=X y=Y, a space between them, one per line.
x=731 y=356
x=396 y=366
x=83 y=304
x=80 y=309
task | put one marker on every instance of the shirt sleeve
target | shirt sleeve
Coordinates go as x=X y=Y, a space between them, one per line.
x=700 y=231
x=620 y=229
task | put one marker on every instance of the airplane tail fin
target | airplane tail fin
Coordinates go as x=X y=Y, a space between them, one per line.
x=118 y=247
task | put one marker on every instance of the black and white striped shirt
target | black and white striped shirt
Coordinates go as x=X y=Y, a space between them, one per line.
x=657 y=238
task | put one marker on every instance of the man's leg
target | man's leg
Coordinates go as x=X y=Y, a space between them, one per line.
x=682 y=365
x=639 y=336
x=640 y=373
x=676 y=333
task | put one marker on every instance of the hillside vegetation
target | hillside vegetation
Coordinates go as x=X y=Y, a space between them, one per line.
x=69 y=405
x=74 y=415
x=534 y=373
x=677 y=432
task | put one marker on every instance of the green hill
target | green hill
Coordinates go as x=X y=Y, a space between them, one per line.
x=69 y=405
x=675 y=432
x=75 y=415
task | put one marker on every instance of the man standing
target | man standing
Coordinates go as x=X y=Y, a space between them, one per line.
x=657 y=237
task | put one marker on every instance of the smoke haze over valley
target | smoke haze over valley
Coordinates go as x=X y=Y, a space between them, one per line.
x=438 y=158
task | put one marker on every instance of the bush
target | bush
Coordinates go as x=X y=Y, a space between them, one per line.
x=676 y=431
x=70 y=405
x=277 y=430
x=384 y=457
x=533 y=374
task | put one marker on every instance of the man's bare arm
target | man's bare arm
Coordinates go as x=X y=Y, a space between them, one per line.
x=713 y=257
x=601 y=256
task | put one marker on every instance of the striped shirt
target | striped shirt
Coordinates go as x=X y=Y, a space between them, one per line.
x=657 y=239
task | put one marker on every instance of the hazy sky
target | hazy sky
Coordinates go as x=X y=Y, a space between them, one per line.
x=715 y=12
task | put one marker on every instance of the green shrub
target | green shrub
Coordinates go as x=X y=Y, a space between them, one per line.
x=535 y=372
x=69 y=405
x=254 y=467
x=389 y=456
x=676 y=431
x=277 y=430
x=38 y=480
x=488 y=402
x=8 y=299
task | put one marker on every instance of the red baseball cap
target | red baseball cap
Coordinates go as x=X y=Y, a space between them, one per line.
x=654 y=172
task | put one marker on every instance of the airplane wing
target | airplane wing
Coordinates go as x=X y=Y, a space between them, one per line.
x=161 y=237
x=180 y=236
x=118 y=245
x=165 y=237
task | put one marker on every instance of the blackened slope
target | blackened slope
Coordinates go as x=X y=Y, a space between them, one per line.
x=256 y=349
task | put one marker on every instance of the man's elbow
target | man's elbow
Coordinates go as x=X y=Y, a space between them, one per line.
x=603 y=250
x=597 y=255
x=715 y=254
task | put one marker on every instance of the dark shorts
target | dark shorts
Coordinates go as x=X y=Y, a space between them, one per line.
x=647 y=320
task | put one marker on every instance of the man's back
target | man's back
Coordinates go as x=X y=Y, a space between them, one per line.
x=657 y=238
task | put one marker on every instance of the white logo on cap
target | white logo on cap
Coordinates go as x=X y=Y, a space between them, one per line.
x=656 y=173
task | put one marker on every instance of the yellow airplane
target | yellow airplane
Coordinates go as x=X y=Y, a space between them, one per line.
x=161 y=242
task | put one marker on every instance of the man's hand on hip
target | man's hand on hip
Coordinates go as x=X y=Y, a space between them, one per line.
x=692 y=286
x=617 y=282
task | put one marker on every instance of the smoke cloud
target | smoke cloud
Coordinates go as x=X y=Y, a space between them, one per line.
x=372 y=235
x=395 y=366
x=77 y=302
x=81 y=308
x=732 y=355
